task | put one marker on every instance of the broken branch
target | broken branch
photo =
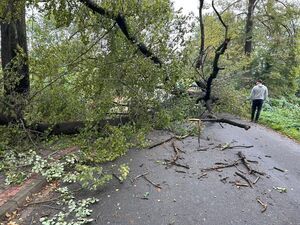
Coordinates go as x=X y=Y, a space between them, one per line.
x=154 y=184
x=160 y=143
x=246 y=164
x=264 y=205
x=233 y=123
x=245 y=178
x=220 y=167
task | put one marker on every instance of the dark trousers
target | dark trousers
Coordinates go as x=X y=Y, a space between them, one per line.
x=256 y=107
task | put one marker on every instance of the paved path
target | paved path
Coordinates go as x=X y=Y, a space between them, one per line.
x=184 y=199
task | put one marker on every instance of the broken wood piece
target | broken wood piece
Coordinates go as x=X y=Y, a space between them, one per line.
x=247 y=165
x=233 y=123
x=154 y=184
x=241 y=184
x=180 y=171
x=224 y=180
x=180 y=165
x=176 y=149
x=218 y=167
x=242 y=146
x=173 y=162
x=245 y=178
x=203 y=175
x=239 y=170
x=202 y=149
x=281 y=170
x=253 y=161
x=181 y=137
x=138 y=176
x=264 y=205
x=118 y=178
x=254 y=182
x=176 y=156
x=199 y=127
x=160 y=143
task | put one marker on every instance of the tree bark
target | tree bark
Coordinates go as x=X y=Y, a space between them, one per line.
x=201 y=52
x=68 y=128
x=249 y=27
x=14 y=57
x=14 y=52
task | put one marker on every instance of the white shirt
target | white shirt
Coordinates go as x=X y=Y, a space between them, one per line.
x=259 y=91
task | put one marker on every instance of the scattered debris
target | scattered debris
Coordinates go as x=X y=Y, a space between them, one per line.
x=118 y=178
x=245 y=178
x=224 y=180
x=268 y=156
x=281 y=170
x=280 y=189
x=180 y=171
x=202 y=149
x=264 y=205
x=247 y=165
x=218 y=167
x=254 y=182
x=160 y=143
x=173 y=162
x=239 y=184
x=199 y=127
x=154 y=184
x=203 y=175
x=138 y=176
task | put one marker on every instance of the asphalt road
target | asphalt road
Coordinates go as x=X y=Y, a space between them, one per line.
x=189 y=197
x=187 y=200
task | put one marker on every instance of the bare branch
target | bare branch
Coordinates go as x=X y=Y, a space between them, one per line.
x=220 y=18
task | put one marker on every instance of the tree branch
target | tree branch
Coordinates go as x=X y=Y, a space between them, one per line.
x=121 y=21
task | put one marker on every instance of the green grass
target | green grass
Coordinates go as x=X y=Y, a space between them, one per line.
x=282 y=116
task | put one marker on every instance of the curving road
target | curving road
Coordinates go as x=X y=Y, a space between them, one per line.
x=193 y=197
x=186 y=198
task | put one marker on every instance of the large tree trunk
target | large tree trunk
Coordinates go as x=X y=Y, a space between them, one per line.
x=14 y=57
x=68 y=128
x=249 y=27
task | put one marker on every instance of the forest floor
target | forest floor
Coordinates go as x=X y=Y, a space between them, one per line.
x=176 y=188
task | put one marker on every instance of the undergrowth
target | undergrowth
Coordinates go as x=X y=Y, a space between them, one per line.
x=283 y=115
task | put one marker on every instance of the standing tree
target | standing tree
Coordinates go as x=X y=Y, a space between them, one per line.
x=14 y=57
x=249 y=27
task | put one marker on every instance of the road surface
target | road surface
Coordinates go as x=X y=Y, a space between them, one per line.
x=189 y=197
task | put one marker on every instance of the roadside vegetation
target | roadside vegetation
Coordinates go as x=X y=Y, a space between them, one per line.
x=283 y=115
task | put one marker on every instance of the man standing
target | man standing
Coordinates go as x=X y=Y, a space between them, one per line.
x=258 y=95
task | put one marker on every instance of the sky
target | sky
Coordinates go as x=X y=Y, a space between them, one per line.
x=187 y=5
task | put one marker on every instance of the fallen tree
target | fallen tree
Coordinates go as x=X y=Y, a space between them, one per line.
x=68 y=128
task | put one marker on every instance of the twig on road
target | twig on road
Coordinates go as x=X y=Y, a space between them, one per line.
x=281 y=170
x=247 y=165
x=154 y=184
x=138 y=176
x=264 y=205
x=245 y=178
x=225 y=165
x=254 y=182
